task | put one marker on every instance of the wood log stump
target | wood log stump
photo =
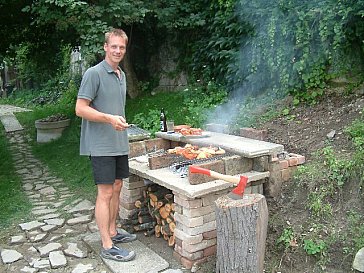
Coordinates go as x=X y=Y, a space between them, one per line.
x=241 y=227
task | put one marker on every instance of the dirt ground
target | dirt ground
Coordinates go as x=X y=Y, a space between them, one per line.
x=305 y=130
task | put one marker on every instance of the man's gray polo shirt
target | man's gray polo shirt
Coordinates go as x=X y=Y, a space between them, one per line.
x=107 y=94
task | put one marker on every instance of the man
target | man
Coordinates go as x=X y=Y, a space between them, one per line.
x=101 y=105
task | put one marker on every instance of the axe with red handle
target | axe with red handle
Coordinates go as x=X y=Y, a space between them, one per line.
x=237 y=192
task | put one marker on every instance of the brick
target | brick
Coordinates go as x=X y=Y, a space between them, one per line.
x=209 y=217
x=191 y=256
x=292 y=161
x=254 y=133
x=217 y=166
x=273 y=159
x=151 y=145
x=131 y=193
x=187 y=221
x=300 y=158
x=184 y=237
x=210 y=251
x=177 y=241
x=128 y=206
x=136 y=148
x=197 y=247
x=200 y=229
x=210 y=234
x=198 y=211
x=177 y=256
x=161 y=161
x=194 y=203
x=283 y=164
x=286 y=175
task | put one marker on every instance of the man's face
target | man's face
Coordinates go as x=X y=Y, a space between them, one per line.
x=115 y=50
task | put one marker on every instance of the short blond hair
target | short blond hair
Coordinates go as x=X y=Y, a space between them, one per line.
x=116 y=32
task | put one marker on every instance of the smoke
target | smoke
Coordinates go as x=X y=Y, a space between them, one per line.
x=270 y=59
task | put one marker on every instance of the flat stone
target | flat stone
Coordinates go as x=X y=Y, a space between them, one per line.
x=31 y=225
x=48 y=228
x=82 y=268
x=40 y=263
x=47 y=191
x=43 y=211
x=85 y=205
x=73 y=251
x=146 y=259
x=18 y=239
x=79 y=220
x=28 y=186
x=9 y=256
x=45 y=250
x=38 y=237
x=49 y=216
x=11 y=124
x=57 y=259
x=358 y=263
x=40 y=186
x=55 y=221
x=27 y=269
x=58 y=204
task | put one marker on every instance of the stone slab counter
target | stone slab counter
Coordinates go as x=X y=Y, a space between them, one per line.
x=246 y=147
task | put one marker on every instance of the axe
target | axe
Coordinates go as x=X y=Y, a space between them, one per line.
x=236 y=193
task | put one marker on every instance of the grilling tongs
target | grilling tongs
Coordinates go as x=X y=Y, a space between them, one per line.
x=237 y=192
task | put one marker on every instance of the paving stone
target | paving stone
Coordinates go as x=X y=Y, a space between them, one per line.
x=38 y=238
x=44 y=250
x=57 y=259
x=58 y=204
x=43 y=211
x=49 y=216
x=18 y=239
x=40 y=263
x=28 y=269
x=31 y=225
x=47 y=191
x=79 y=220
x=9 y=256
x=73 y=251
x=48 y=228
x=28 y=186
x=40 y=186
x=82 y=268
x=55 y=221
x=83 y=206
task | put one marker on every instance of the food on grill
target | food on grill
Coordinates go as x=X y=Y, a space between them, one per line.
x=194 y=152
x=191 y=131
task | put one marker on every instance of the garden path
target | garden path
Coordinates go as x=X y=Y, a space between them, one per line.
x=61 y=235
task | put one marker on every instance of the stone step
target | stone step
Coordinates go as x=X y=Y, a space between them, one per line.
x=11 y=124
x=146 y=260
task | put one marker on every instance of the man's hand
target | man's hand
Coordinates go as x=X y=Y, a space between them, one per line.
x=118 y=122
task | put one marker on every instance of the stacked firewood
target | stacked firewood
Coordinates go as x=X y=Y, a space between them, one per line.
x=155 y=213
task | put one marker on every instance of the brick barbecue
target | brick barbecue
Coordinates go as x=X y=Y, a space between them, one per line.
x=266 y=165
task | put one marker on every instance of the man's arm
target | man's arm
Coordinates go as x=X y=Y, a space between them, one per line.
x=84 y=110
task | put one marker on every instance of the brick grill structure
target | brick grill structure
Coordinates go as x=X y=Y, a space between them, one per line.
x=266 y=165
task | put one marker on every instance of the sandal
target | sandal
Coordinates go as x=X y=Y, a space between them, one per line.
x=117 y=254
x=123 y=237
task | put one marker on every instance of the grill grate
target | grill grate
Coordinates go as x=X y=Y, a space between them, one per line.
x=136 y=133
x=181 y=167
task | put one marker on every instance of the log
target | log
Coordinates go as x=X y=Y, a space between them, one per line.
x=163 y=212
x=171 y=240
x=144 y=226
x=145 y=219
x=241 y=227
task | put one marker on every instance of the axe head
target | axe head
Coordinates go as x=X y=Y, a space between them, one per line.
x=238 y=191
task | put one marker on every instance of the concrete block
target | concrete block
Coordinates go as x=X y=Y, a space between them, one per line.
x=217 y=166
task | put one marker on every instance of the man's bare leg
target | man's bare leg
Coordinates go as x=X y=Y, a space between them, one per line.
x=114 y=206
x=102 y=213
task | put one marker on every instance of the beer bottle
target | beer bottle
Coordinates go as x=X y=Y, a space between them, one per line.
x=163 y=121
